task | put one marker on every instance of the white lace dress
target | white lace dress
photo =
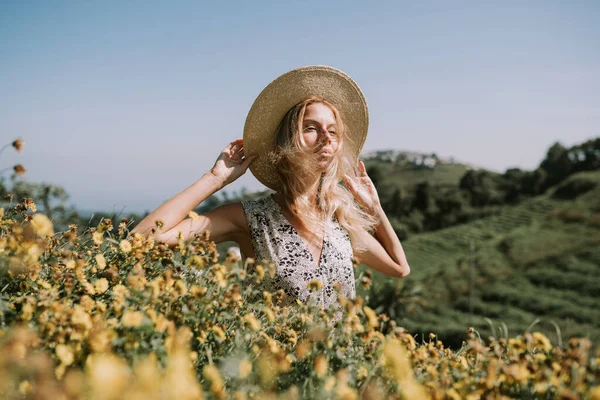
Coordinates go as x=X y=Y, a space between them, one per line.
x=275 y=240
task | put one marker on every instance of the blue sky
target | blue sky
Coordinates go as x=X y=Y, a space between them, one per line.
x=125 y=104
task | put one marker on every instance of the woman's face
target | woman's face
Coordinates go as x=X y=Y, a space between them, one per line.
x=320 y=132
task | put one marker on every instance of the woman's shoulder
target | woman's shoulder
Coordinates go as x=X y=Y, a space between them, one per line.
x=259 y=211
x=260 y=202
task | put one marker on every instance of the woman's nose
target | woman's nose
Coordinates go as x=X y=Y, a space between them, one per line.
x=327 y=137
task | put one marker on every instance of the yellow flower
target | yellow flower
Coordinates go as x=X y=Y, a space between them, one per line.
x=269 y=314
x=266 y=368
x=198 y=291
x=541 y=341
x=89 y=288
x=162 y=323
x=395 y=360
x=107 y=375
x=211 y=373
x=100 y=261
x=80 y=318
x=329 y=384
x=132 y=319
x=42 y=226
x=260 y=272
x=87 y=303
x=25 y=387
x=19 y=169
x=245 y=368
x=202 y=338
x=321 y=365
x=315 y=285
x=517 y=372
x=181 y=287
x=218 y=333
x=196 y=261
x=362 y=373
x=125 y=246
x=452 y=394
x=65 y=354
x=30 y=204
x=220 y=278
x=371 y=316
x=239 y=395
x=345 y=392
x=100 y=338
x=27 y=312
x=101 y=285
x=18 y=144
x=97 y=237
x=194 y=215
x=100 y=307
x=303 y=348
x=119 y=290
x=517 y=345
x=252 y=322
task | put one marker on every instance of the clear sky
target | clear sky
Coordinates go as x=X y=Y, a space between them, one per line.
x=124 y=104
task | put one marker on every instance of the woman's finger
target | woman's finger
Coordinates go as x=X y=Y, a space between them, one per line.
x=350 y=183
x=363 y=170
x=248 y=160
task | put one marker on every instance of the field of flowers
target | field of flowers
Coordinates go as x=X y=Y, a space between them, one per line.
x=103 y=314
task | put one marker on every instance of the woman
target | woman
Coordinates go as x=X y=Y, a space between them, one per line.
x=302 y=138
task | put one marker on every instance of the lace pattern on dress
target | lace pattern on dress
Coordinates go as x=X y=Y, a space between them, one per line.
x=275 y=240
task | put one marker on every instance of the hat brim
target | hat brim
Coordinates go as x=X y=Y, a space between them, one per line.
x=285 y=92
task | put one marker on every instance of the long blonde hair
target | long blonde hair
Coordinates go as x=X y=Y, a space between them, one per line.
x=294 y=164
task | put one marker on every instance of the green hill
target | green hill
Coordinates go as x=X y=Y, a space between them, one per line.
x=406 y=169
x=538 y=259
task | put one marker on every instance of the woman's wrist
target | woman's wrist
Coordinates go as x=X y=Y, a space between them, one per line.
x=379 y=214
x=216 y=182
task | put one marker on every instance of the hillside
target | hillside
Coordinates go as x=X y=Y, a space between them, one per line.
x=538 y=259
x=406 y=169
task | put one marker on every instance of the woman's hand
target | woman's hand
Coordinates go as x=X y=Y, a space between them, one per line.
x=231 y=163
x=363 y=189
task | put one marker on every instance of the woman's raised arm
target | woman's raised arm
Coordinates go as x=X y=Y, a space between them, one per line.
x=384 y=251
x=224 y=223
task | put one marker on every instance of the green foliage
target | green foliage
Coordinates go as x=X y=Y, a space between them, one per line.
x=572 y=188
x=537 y=259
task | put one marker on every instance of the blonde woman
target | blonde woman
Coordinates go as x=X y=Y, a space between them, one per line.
x=302 y=138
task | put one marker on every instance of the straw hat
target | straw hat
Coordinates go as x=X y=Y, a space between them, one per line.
x=285 y=92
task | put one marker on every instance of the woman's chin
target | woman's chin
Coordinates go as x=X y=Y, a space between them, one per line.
x=323 y=164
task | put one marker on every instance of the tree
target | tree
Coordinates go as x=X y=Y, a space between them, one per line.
x=556 y=164
x=376 y=174
x=50 y=200
x=482 y=187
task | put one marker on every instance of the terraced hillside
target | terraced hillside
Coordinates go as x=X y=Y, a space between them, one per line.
x=534 y=263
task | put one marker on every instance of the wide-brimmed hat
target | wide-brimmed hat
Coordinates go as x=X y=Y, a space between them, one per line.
x=285 y=92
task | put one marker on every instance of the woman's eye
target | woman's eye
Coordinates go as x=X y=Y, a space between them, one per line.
x=332 y=133
x=309 y=128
